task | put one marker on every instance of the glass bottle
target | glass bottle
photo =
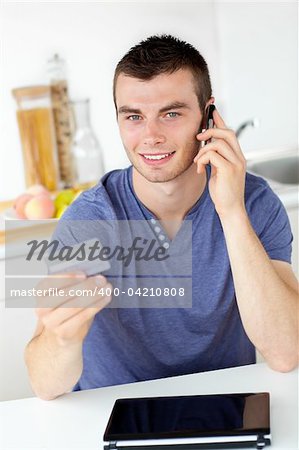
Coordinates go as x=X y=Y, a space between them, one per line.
x=56 y=69
x=86 y=150
x=37 y=132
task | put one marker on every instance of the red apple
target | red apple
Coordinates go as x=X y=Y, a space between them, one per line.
x=40 y=207
x=20 y=204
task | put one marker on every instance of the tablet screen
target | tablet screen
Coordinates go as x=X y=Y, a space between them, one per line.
x=189 y=416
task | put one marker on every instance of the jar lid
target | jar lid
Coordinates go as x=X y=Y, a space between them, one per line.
x=27 y=92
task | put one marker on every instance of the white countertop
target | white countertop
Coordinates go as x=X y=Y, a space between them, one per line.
x=78 y=420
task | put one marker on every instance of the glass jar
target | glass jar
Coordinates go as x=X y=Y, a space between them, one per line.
x=36 y=126
x=56 y=70
x=86 y=150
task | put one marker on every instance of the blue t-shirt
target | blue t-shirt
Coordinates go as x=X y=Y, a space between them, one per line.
x=125 y=345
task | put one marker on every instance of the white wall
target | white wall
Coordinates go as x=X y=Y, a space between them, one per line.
x=258 y=49
x=92 y=37
x=251 y=48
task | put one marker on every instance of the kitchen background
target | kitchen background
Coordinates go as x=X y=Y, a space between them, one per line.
x=250 y=47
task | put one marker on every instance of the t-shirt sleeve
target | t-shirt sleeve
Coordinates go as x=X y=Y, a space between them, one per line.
x=271 y=223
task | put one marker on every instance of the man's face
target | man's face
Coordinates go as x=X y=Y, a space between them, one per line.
x=158 y=121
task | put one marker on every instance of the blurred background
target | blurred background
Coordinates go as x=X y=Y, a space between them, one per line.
x=251 y=49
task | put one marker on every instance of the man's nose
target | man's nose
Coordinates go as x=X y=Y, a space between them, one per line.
x=153 y=134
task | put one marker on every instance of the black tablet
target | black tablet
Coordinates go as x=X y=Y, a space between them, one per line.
x=190 y=422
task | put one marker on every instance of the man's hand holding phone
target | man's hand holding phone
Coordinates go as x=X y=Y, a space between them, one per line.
x=228 y=167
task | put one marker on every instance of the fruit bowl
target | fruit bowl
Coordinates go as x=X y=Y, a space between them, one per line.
x=38 y=203
x=10 y=214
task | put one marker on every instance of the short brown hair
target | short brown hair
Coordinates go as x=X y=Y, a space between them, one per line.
x=165 y=54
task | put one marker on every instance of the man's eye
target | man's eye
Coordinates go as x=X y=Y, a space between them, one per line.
x=172 y=114
x=134 y=117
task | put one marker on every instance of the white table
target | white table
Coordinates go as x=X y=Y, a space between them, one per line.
x=78 y=420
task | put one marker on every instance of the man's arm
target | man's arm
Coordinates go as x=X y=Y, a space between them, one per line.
x=53 y=368
x=54 y=355
x=266 y=291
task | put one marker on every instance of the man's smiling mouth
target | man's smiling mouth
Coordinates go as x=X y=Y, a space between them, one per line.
x=156 y=156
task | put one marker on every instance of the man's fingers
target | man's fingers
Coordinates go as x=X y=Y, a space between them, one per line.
x=76 y=291
x=68 y=328
x=215 y=159
x=50 y=285
x=66 y=312
x=58 y=316
x=74 y=295
x=219 y=122
x=227 y=135
x=220 y=147
x=60 y=280
x=54 y=310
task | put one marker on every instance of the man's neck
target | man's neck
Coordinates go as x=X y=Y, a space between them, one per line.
x=173 y=199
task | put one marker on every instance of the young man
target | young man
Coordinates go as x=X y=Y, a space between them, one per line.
x=244 y=290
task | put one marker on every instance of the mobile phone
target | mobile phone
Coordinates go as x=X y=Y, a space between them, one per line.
x=208 y=121
x=190 y=422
